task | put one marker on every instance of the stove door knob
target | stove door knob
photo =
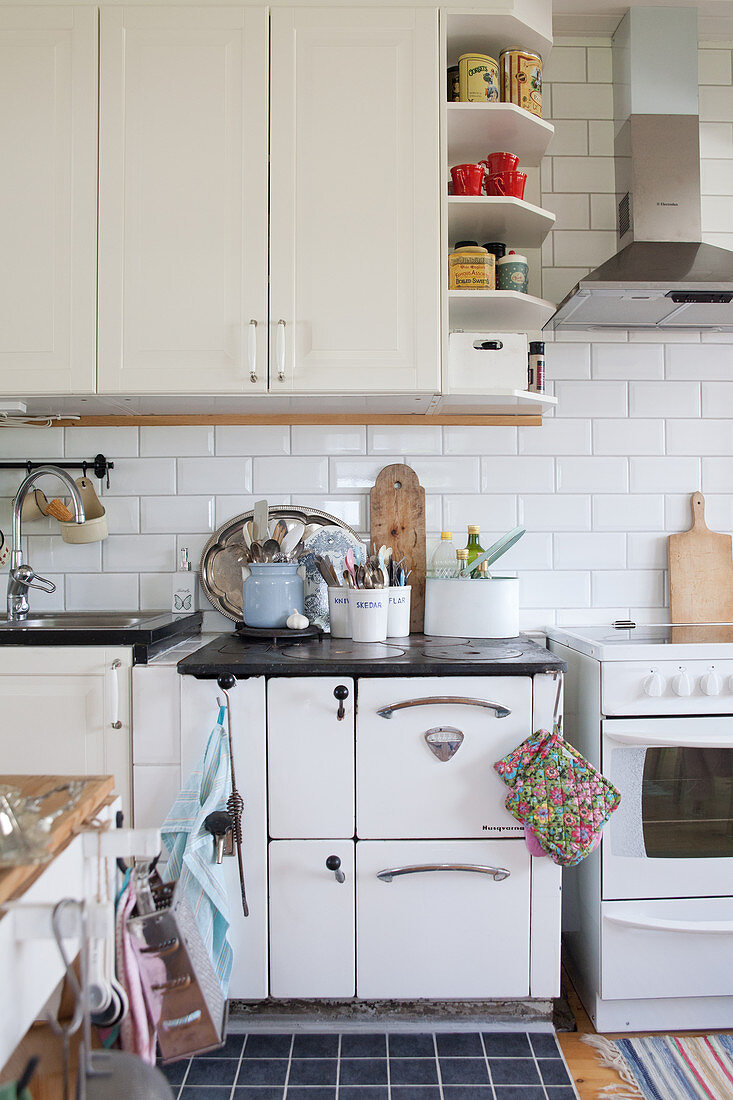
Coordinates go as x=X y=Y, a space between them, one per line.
x=681 y=684
x=654 y=684
x=710 y=683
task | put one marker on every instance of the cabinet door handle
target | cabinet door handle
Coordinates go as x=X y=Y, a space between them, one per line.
x=333 y=863
x=651 y=924
x=499 y=710
x=114 y=695
x=341 y=693
x=252 y=350
x=280 y=350
x=497 y=873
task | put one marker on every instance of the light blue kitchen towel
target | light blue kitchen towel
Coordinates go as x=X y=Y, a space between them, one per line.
x=192 y=849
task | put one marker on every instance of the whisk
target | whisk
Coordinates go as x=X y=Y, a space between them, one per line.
x=235 y=802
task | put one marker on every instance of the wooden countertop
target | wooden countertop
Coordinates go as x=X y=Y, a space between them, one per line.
x=95 y=794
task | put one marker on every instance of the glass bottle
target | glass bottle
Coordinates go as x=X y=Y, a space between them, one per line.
x=482 y=573
x=462 y=564
x=474 y=547
x=443 y=558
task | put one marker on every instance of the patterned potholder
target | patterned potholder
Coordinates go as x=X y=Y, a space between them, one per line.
x=562 y=798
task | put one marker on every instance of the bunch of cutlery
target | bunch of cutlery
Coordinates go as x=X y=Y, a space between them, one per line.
x=375 y=570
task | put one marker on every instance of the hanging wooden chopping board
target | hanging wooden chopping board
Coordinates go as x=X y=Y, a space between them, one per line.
x=700 y=572
x=397 y=519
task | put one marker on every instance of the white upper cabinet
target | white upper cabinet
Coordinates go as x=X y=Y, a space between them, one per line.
x=48 y=199
x=183 y=200
x=354 y=201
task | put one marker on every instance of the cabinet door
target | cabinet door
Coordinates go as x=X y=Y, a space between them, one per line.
x=183 y=200
x=58 y=711
x=355 y=222
x=310 y=756
x=442 y=933
x=48 y=199
x=311 y=919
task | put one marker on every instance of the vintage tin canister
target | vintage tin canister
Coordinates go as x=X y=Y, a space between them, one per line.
x=512 y=272
x=471 y=267
x=478 y=78
x=521 y=79
x=454 y=85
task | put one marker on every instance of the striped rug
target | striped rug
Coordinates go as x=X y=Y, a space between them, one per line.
x=668 y=1067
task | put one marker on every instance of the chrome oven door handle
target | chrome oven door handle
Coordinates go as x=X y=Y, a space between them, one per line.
x=498 y=874
x=452 y=700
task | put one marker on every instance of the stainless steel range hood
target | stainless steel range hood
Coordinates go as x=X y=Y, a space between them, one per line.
x=663 y=276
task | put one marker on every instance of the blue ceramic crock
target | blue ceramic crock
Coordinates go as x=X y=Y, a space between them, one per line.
x=271 y=592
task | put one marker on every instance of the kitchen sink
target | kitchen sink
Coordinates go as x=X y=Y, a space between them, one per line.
x=81 y=620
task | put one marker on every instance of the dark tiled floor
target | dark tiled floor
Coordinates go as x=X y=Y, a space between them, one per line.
x=473 y=1065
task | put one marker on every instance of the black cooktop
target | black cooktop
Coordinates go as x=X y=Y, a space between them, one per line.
x=417 y=655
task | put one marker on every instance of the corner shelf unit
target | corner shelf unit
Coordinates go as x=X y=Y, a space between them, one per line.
x=495 y=126
x=486 y=218
x=497 y=311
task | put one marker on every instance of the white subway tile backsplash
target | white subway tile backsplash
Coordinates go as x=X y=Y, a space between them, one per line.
x=490 y=512
x=644 y=587
x=179 y=441
x=600 y=70
x=448 y=474
x=705 y=362
x=253 y=439
x=716 y=178
x=677 y=511
x=628 y=437
x=575 y=550
x=50 y=554
x=550 y=512
x=595 y=101
x=102 y=592
x=582 y=246
x=114 y=443
x=716 y=104
x=347 y=474
x=664 y=475
x=627 y=361
x=292 y=474
x=647 y=550
x=717 y=399
x=328 y=439
x=592 y=475
x=664 y=399
x=123 y=514
x=554 y=588
x=603 y=212
x=349 y=509
x=716 y=140
x=532 y=551
x=626 y=513
x=18 y=444
x=570 y=138
x=716 y=210
x=174 y=514
x=566 y=361
x=479 y=441
x=155 y=592
x=423 y=439
x=590 y=399
x=717 y=475
x=713 y=66
x=139 y=554
x=218 y=475
x=559 y=281
x=523 y=474
x=601 y=138
x=138 y=476
x=699 y=437
x=557 y=437
x=587 y=174
x=719 y=511
x=566 y=63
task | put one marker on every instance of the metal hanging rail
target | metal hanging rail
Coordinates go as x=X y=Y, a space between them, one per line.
x=99 y=466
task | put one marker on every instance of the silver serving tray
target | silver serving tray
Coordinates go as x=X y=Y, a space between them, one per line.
x=223 y=555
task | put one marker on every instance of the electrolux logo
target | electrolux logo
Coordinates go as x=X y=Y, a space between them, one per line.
x=667 y=204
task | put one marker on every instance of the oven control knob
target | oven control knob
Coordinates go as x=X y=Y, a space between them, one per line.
x=710 y=683
x=654 y=684
x=681 y=683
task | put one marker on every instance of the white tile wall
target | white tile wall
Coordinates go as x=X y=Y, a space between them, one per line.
x=640 y=425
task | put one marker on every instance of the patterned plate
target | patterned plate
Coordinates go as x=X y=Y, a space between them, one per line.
x=332 y=540
x=222 y=557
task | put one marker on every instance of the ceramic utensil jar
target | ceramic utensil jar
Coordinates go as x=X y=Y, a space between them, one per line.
x=271 y=592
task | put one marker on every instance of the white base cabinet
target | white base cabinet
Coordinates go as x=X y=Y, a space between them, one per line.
x=449 y=933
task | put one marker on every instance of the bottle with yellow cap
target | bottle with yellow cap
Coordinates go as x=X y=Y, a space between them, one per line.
x=474 y=547
x=462 y=564
x=443 y=558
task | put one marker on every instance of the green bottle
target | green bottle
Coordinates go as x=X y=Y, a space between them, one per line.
x=474 y=546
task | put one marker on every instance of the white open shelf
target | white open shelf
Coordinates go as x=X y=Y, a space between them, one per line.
x=476 y=129
x=488 y=31
x=485 y=218
x=497 y=311
x=506 y=402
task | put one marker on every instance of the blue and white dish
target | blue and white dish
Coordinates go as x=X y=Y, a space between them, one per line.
x=329 y=541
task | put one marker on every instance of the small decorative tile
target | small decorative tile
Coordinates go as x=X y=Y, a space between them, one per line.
x=363 y=1071
x=459 y=1045
x=316 y=1046
x=411 y=1046
x=413 y=1071
x=363 y=1046
x=268 y=1046
x=262 y=1071
x=507 y=1044
x=544 y=1046
x=313 y=1071
x=212 y=1071
x=514 y=1071
x=464 y=1071
x=553 y=1072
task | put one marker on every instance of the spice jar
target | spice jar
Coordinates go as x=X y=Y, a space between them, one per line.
x=470 y=267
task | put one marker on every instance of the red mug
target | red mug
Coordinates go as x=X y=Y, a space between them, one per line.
x=467 y=179
x=507 y=184
x=496 y=163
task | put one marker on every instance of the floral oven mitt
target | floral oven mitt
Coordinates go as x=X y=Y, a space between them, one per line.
x=556 y=794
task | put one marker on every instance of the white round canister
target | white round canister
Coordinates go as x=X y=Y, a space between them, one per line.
x=472 y=608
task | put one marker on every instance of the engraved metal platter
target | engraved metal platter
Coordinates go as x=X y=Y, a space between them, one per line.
x=223 y=557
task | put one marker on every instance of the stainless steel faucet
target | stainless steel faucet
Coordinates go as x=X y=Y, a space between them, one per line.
x=22 y=577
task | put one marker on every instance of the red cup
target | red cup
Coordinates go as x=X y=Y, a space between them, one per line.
x=496 y=163
x=507 y=184
x=467 y=179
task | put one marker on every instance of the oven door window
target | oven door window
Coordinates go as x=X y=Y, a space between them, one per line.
x=687 y=802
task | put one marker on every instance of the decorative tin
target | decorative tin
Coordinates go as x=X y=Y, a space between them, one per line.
x=521 y=79
x=454 y=93
x=471 y=268
x=511 y=272
x=478 y=78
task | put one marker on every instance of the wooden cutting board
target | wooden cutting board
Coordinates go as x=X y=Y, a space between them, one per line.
x=700 y=572
x=97 y=789
x=397 y=519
